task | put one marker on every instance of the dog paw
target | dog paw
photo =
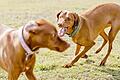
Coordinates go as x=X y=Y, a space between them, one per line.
x=102 y=63
x=85 y=56
x=67 y=65
x=98 y=51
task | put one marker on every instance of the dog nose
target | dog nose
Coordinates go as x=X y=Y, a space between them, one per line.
x=59 y=24
x=66 y=46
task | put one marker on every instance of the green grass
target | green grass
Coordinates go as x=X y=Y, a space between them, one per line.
x=16 y=13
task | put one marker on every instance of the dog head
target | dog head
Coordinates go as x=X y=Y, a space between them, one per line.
x=67 y=22
x=42 y=34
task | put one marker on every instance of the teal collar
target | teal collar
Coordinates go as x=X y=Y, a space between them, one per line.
x=75 y=31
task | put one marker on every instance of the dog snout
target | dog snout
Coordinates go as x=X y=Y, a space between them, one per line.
x=59 y=24
x=63 y=46
x=66 y=46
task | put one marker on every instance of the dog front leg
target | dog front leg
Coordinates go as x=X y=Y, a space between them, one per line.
x=76 y=58
x=30 y=75
x=13 y=75
x=78 y=50
x=29 y=70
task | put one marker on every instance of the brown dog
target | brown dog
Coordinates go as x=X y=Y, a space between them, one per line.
x=17 y=46
x=85 y=28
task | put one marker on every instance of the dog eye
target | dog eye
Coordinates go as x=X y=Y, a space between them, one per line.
x=53 y=35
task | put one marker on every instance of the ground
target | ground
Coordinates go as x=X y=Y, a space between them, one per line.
x=16 y=13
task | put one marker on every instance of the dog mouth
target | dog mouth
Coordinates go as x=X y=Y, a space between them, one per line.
x=62 y=31
x=57 y=49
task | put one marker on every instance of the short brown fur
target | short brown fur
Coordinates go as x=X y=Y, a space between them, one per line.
x=92 y=23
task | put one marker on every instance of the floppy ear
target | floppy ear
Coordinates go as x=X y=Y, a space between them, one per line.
x=40 y=22
x=76 y=19
x=58 y=14
x=31 y=27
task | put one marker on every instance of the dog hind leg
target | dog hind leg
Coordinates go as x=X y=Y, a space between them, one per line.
x=111 y=37
x=105 y=37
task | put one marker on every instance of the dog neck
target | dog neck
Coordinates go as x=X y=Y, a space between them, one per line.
x=24 y=44
x=76 y=28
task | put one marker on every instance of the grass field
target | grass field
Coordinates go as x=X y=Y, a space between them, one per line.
x=16 y=13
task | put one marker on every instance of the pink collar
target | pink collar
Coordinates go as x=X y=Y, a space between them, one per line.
x=23 y=43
